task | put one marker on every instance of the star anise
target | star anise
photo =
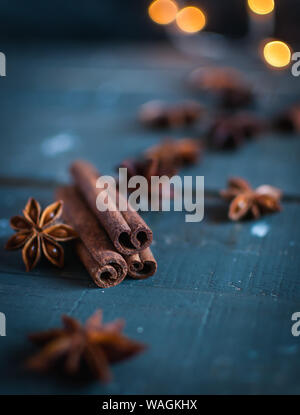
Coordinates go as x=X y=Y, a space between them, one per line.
x=158 y=114
x=37 y=232
x=289 y=120
x=176 y=153
x=245 y=200
x=165 y=159
x=91 y=346
x=214 y=78
x=230 y=131
x=227 y=83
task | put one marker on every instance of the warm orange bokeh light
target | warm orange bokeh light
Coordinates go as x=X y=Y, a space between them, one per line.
x=277 y=54
x=190 y=19
x=261 y=6
x=163 y=11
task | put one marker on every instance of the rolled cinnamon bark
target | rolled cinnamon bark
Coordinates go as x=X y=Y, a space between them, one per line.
x=106 y=266
x=141 y=265
x=104 y=276
x=126 y=229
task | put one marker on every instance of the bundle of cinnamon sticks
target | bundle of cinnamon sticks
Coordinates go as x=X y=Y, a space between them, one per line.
x=112 y=243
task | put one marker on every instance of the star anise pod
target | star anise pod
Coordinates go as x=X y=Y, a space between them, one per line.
x=289 y=120
x=36 y=232
x=245 y=200
x=214 y=78
x=227 y=83
x=175 y=153
x=165 y=159
x=91 y=346
x=230 y=131
x=158 y=114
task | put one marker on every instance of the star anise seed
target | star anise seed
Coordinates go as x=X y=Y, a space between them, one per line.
x=93 y=345
x=244 y=200
x=36 y=232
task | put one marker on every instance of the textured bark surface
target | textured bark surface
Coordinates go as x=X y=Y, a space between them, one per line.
x=104 y=264
x=127 y=230
x=141 y=265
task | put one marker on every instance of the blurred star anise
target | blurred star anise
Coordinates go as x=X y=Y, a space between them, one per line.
x=230 y=131
x=159 y=114
x=289 y=121
x=245 y=200
x=165 y=159
x=91 y=346
x=227 y=83
x=174 y=154
x=37 y=232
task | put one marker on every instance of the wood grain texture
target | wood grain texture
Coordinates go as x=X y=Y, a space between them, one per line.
x=217 y=315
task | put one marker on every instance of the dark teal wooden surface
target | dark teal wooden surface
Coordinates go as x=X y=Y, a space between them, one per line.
x=217 y=315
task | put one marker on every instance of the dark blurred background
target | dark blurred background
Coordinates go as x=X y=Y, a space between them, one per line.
x=120 y=20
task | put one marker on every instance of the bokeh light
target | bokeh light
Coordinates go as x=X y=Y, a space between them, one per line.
x=191 y=19
x=163 y=11
x=261 y=6
x=277 y=53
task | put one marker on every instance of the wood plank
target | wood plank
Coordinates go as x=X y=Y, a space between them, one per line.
x=217 y=316
x=253 y=257
x=83 y=103
x=199 y=342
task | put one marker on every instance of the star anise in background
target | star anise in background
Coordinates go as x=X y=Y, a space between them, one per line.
x=175 y=153
x=245 y=200
x=227 y=83
x=159 y=114
x=37 y=232
x=230 y=131
x=77 y=347
x=289 y=121
x=165 y=159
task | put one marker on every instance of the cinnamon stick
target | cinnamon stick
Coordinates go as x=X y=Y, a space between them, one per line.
x=141 y=265
x=127 y=230
x=104 y=276
x=106 y=266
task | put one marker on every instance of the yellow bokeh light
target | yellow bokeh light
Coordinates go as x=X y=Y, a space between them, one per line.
x=277 y=54
x=163 y=11
x=261 y=6
x=190 y=19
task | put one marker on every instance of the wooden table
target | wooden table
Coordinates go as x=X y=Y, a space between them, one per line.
x=217 y=315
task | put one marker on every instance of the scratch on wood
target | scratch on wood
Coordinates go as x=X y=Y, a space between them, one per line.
x=77 y=302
